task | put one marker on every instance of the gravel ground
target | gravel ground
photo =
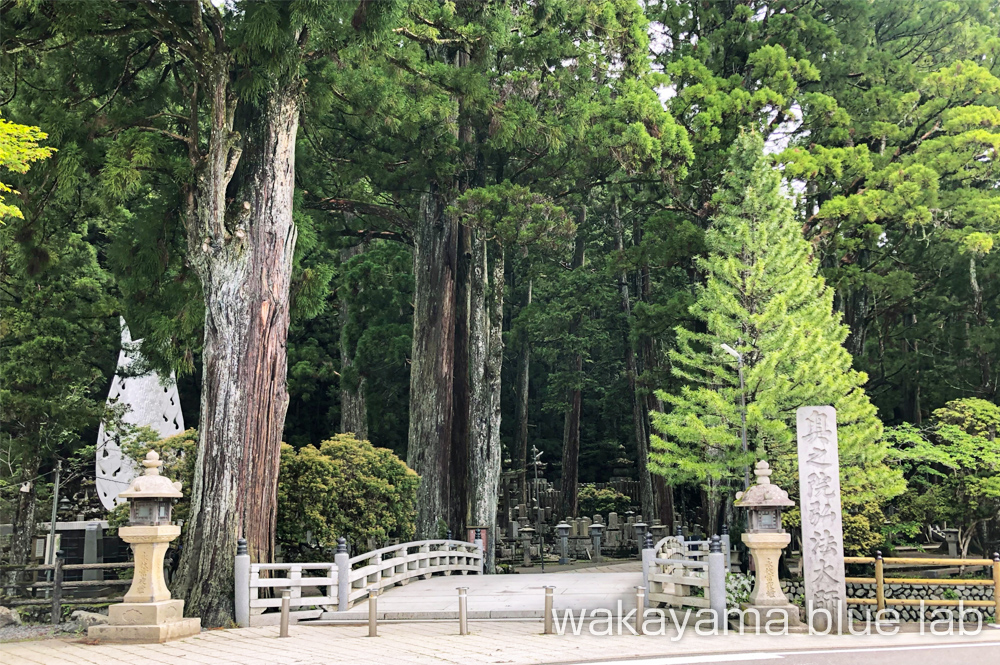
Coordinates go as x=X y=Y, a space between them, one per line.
x=38 y=631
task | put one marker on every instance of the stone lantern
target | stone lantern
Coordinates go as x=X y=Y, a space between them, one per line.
x=148 y=613
x=766 y=539
x=563 y=530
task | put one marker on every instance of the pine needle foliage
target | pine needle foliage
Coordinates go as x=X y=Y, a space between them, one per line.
x=763 y=297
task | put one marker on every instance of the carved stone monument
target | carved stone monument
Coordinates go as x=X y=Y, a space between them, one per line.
x=822 y=522
x=151 y=403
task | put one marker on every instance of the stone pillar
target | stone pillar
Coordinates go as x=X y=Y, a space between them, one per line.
x=342 y=559
x=595 y=537
x=91 y=548
x=822 y=523
x=648 y=554
x=241 y=592
x=717 y=581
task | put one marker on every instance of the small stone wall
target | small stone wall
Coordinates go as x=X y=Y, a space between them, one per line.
x=795 y=590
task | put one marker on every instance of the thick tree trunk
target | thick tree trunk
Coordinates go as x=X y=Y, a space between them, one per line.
x=663 y=503
x=460 y=432
x=244 y=260
x=986 y=389
x=485 y=363
x=432 y=370
x=639 y=414
x=521 y=434
x=353 y=406
x=23 y=524
x=574 y=398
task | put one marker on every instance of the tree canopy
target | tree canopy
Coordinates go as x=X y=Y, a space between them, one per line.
x=463 y=229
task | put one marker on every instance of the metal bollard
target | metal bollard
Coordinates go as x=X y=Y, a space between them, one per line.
x=548 y=609
x=463 y=611
x=373 y=611
x=286 y=597
x=640 y=607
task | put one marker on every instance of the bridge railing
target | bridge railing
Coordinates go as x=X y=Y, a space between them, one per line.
x=398 y=564
x=345 y=580
x=673 y=568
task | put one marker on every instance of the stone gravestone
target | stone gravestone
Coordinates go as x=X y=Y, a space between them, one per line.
x=822 y=523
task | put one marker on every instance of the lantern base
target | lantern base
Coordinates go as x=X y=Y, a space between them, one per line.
x=148 y=634
x=146 y=623
x=758 y=617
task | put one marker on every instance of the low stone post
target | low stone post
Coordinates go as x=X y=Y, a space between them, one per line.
x=286 y=597
x=548 y=609
x=717 y=581
x=373 y=611
x=342 y=560
x=648 y=554
x=595 y=537
x=640 y=607
x=241 y=594
x=463 y=610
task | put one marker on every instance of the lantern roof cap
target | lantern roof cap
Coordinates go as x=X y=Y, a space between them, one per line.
x=151 y=485
x=763 y=494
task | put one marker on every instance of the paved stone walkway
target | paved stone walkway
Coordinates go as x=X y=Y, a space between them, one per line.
x=413 y=643
x=501 y=596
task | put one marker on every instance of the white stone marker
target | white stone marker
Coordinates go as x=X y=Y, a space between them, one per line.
x=151 y=402
x=822 y=522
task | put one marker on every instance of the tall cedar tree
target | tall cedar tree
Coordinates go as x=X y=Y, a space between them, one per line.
x=763 y=297
x=227 y=82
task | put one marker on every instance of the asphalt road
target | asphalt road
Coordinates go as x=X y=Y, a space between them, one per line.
x=946 y=654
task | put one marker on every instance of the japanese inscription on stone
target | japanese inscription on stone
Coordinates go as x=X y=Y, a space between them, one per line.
x=822 y=524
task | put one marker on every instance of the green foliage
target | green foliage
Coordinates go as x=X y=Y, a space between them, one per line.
x=594 y=501
x=953 y=467
x=863 y=533
x=18 y=149
x=345 y=488
x=763 y=298
x=738 y=588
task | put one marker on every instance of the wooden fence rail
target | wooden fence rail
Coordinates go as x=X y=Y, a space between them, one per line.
x=880 y=601
x=58 y=585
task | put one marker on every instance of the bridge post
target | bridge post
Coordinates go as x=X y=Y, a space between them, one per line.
x=482 y=550
x=717 y=582
x=424 y=561
x=241 y=593
x=342 y=560
x=648 y=554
